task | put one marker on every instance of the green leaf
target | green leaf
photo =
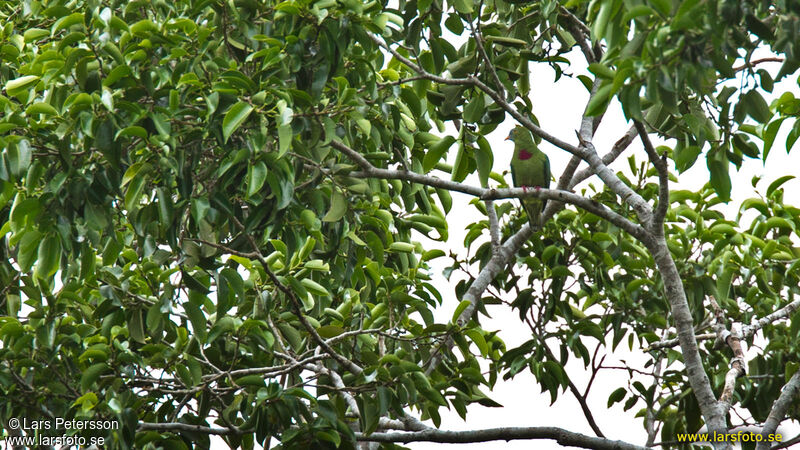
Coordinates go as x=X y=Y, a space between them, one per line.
x=338 y=207
x=256 y=178
x=116 y=74
x=136 y=326
x=133 y=194
x=200 y=207
x=34 y=34
x=742 y=143
x=602 y=71
x=477 y=337
x=91 y=374
x=769 y=135
x=601 y=21
x=460 y=309
x=637 y=11
x=616 y=396
x=484 y=159
x=314 y=287
x=132 y=171
x=756 y=107
x=197 y=319
x=462 y=6
x=475 y=109
x=723 y=285
x=284 y=138
x=41 y=108
x=720 y=179
x=143 y=28
x=234 y=118
x=15 y=86
x=67 y=21
x=135 y=131
x=777 y=183
x=435 y=153
x=663 y=6
x=49 y=257
x=27 y=250
x=403 y=247
x=599 y=102
x=234 y=281
x=19 y=157
x=329 y=331
x=685 y=156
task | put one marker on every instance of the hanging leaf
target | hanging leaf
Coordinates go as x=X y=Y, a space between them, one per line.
x=338 y=207
x=234 y=118
x=256 y=178
x=49 y=257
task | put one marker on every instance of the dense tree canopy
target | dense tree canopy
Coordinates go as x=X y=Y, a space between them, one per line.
x=213 y=214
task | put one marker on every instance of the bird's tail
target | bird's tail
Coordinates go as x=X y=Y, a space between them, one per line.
x=534 y=207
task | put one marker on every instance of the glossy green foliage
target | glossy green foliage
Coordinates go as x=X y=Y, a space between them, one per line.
x=162 y=161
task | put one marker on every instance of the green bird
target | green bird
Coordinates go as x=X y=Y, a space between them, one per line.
x=530 y=167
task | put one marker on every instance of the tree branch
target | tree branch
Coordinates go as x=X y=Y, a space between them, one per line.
x=296 y=305
x=178 y=427
x=491 y=193
x=660 y=164
x=782 y=313
x=747 y=330
x=580 y=32
x=776 y=415
x=494 y=226
x=628 y=195
x=563 y=437
x=733 y=339
x=472 y=81
x=682 y=316
x=587 y=413
x=476 y=33
x=496 y=264
x=619 y=147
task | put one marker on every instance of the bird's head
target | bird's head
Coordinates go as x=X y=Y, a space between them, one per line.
x=517 y=133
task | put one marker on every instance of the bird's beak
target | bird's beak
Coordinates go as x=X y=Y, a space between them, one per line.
x=508 y=138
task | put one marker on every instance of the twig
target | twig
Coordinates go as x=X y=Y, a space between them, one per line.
x=660 y=164
x=177 y=426
x=756 y=62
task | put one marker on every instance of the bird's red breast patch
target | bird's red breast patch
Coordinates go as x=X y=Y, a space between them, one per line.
x=523 y=154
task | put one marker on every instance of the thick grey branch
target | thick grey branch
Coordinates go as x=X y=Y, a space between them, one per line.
x=496 y=264
x=776 y=415
x=628 y=195
x=682 y=316
x=563 y=437
x=491 y=193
